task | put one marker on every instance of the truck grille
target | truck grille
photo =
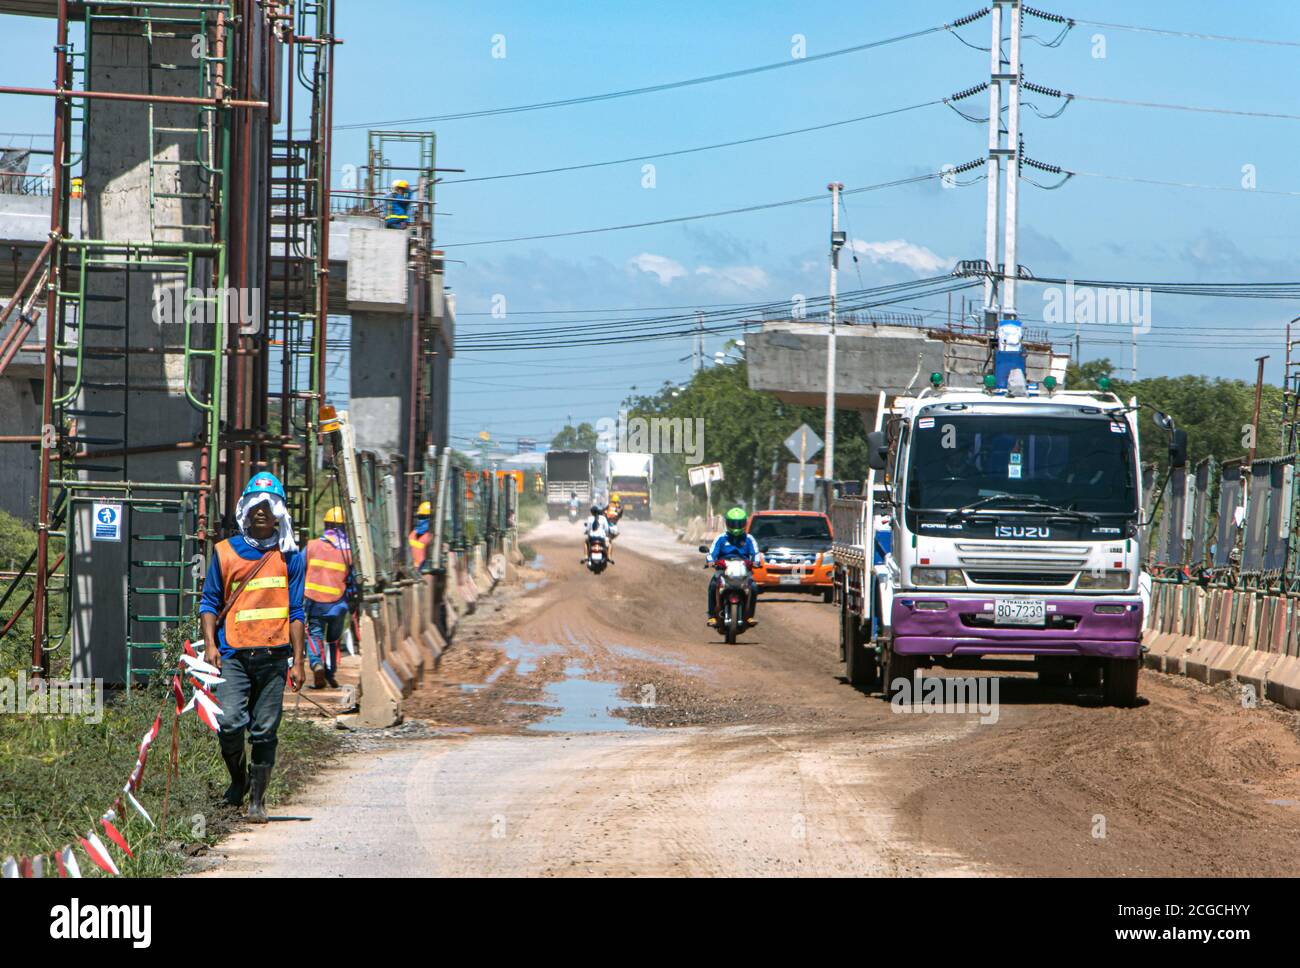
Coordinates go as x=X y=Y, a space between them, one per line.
x=1043 y=578
x=1021 y=556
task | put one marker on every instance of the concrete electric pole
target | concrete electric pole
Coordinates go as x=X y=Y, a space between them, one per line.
x=837 y=243
x=1000 y=284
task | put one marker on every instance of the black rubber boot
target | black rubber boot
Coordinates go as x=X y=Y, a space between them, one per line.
x=237 y=763
x=260 y=778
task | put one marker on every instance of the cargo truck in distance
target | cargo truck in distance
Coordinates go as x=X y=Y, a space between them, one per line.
x=998 y=529
x=568 y=473
x=630 y=477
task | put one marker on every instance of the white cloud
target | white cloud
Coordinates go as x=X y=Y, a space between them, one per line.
x=664 y=268
x=900 y=252
x=743 y=278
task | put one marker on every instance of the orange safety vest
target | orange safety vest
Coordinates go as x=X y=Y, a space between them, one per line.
x=419 y=546
x=327 y=571
x=259 y=618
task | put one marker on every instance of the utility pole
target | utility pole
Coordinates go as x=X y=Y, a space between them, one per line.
x=1000 y=284
x=697 y=350
x=837 y=242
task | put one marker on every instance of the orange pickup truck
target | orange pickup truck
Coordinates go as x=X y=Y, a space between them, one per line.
x=796 y=552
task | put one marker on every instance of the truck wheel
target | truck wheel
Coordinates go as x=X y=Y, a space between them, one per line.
x=899 y=667
x=860 y=666
x=828 y=596
x=1086 y=674
x=1122 y=682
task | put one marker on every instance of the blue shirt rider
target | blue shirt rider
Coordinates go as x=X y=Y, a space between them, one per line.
x=397 y=206
x=735 y=542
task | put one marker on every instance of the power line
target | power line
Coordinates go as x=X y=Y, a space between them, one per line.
x=699 y=148
x=649 y=89
x=1191 y=34
x=915 y=179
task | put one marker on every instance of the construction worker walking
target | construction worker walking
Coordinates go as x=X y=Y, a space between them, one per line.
x=397 y=206
x=420 y=535
x=329 y=597
x=253 y=625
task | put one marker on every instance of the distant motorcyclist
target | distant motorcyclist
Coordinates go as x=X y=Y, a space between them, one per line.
x=598 y=526
x=735 y=542
x=615 y=510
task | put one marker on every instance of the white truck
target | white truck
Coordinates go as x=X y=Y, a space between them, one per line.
x=630 y=476
x=998 y=529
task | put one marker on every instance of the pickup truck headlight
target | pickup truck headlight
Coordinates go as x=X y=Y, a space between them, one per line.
x=938 y=576
x=1103 y=579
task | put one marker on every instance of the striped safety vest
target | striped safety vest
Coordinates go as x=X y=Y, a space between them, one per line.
x=327 y=571
x=419 y=546
x=259 y=617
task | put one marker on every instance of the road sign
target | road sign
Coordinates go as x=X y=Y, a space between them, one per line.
x=803 y=443
x=800 y=478
x=108 y=522
x=704 y=474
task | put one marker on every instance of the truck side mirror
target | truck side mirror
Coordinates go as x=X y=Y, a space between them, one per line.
x=877 y=450
x=1178 y=449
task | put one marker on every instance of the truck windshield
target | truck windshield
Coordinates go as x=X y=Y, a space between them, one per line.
x=1077 y=463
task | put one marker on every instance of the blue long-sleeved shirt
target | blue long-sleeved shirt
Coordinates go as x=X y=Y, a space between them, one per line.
x=724 y=548
x=214 y=586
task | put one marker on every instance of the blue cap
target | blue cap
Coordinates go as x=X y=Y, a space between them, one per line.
x=264 y=483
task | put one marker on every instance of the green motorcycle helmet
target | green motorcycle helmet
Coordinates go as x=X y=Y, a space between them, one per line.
x=736 y=519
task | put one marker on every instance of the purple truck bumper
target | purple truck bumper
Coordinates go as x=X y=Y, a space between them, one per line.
x=965 y=627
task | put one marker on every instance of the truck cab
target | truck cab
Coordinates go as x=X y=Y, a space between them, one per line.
x=1014 y=531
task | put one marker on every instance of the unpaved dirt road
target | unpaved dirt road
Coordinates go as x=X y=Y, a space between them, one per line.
x=593 y=725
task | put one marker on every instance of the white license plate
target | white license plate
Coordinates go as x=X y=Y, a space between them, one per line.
x=1019 y=611
x=790 y=580
x=596 y=556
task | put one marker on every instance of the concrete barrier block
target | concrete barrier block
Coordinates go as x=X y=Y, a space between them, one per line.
x=434 y=646
x=380 y=696
x=1176 y=656
x=1206 y=661
x=413 y=656
x=1283 y=686
x=1254 y=670
x=1225 y=663
x=1158 y=646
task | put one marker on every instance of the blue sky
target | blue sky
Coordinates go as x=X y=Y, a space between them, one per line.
x=426 y=58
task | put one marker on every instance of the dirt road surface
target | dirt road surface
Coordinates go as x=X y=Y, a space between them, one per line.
x=590 y=724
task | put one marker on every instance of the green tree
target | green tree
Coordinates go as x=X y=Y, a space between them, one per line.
x=581 y=437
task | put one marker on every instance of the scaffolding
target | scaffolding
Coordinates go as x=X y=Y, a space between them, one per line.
x=226 y=198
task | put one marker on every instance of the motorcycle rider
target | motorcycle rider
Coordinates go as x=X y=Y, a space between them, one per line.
x=573 y=504
x=735 y=542
x=598 y=526
x=615 y=510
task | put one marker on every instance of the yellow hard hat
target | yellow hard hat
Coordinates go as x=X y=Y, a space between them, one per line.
x=401 y=183
x=614 y=498
x=334 y=515
x=424 y=510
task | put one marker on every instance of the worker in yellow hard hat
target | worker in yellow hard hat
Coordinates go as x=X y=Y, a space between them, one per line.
x=397 y=207
x=420 y=535
x=615 y=509
x=330 y=594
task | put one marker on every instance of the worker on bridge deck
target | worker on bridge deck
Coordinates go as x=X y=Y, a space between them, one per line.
x=253 y=625
x=420 y=535
x=397 y=206
x=330 y=595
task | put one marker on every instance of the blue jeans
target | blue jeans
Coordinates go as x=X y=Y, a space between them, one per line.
x=252 y=698
x=326 y=630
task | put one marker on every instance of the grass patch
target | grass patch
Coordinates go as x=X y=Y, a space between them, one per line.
x=60 y=774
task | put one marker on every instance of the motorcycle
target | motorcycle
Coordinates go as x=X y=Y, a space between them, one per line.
x=733 y=593
x=573 y=515
x=597 y=555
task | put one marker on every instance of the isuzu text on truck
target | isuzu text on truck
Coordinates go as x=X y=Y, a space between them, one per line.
x=1003 y=522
